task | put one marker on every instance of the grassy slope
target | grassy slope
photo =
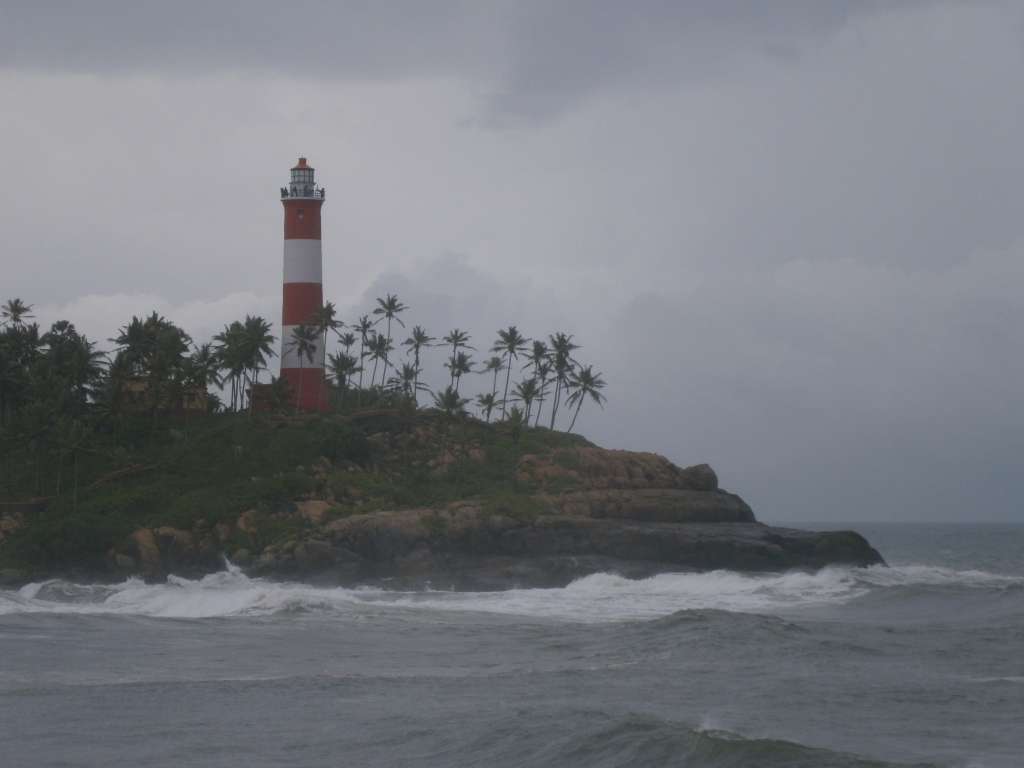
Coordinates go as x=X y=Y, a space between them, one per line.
x=213 y=468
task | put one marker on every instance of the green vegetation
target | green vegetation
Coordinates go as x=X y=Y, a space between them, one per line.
x=162 y=431
x=205 y=471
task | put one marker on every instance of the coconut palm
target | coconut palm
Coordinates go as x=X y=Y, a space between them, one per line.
x=526 y=392
x=231 y=349
x=509 y=343
x=582 y=384
x=459 y=364
x=342 y=366
x=406 y=381
x=304 y=341
x=417 y=341
x=535 y=358
x=364 y=327
x=71 y=362
x=562 y=363
x=258 y=344
x=450 y=402
x=459 y=339
x=379 y=349
x=538 y=354
x=205 y=366
x=487 y=402
x=347 y=340
x=494 y=365
x=14 y=312
x=153 y=349
x=325 y=319
x=389 y=308
x=543 y=374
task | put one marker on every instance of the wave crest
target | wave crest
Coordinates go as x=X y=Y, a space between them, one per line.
x=599 y=597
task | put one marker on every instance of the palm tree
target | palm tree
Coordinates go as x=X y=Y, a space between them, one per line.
x=459 y=364
x=347 y=340
x=71 y=361
x=459 y=339
x=543 y=374
x=230 y=345
x=510 y=343
x=325 y=319
x=537 y=357
x=563 y=364
x=389 y=308
x=14 y=312
x=342 y=366
x=205 y=366
x=496 y=365
x=417 y=340
x=258 y=344
x=450 y=402
x=304 y=341
x=581 y=385
x=406 y=381
x=379 y=349
x=538 y=354
x=487 y=403
x=526 y=392
x=154 y=349
x=364 y=327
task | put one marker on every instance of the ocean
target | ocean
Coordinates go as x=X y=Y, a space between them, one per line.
x=919 y=663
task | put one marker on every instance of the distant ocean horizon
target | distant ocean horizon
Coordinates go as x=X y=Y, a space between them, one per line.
x=917 y=663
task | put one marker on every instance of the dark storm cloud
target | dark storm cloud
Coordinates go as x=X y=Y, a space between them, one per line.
x=532 y=59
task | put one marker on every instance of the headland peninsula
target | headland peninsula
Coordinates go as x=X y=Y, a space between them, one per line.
x=134 y=465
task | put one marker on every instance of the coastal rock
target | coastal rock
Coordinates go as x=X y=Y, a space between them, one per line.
x=313 y=510
x=466 y=546
x=10 y=521
x=147 y=552
x=124 y=562
x=666 y=505
x=601 y=469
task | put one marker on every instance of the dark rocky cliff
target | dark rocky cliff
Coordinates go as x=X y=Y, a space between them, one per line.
x=588 y=510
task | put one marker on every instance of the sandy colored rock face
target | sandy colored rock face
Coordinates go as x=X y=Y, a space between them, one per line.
x=595 y=468
x=9 y=523
x=313 y=510
x=148 y=554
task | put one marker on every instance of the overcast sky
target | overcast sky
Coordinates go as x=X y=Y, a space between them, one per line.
x=790 y=233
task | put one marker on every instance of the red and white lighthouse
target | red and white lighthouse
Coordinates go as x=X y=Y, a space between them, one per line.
x=303 y=288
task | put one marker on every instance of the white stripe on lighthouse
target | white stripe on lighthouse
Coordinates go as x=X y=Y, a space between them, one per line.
x=303 y=261
x=290 y=354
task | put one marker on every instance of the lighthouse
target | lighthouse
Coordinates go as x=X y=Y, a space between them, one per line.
x=302 y=364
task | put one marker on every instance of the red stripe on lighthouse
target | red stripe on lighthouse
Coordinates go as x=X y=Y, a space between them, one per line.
x=302 y=219
x=301 y=302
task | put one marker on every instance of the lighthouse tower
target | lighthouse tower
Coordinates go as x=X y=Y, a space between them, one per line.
x=303 y=369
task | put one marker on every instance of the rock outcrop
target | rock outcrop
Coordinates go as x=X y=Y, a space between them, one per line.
x=586 y=510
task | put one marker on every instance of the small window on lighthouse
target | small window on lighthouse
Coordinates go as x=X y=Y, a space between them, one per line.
x=299 y=213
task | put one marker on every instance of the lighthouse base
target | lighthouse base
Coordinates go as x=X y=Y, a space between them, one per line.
x=308 y=387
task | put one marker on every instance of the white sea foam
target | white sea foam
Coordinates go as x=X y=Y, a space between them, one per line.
x=600 y=597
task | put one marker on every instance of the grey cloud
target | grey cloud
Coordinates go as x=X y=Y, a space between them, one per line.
x=530 y=59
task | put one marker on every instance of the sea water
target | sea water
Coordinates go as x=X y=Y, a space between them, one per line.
x=917 y=663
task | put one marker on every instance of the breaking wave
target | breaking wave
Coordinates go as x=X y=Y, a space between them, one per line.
x=644 y=740
x=596 y=598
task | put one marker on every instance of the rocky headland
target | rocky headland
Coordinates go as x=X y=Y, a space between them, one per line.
x=420 y=502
